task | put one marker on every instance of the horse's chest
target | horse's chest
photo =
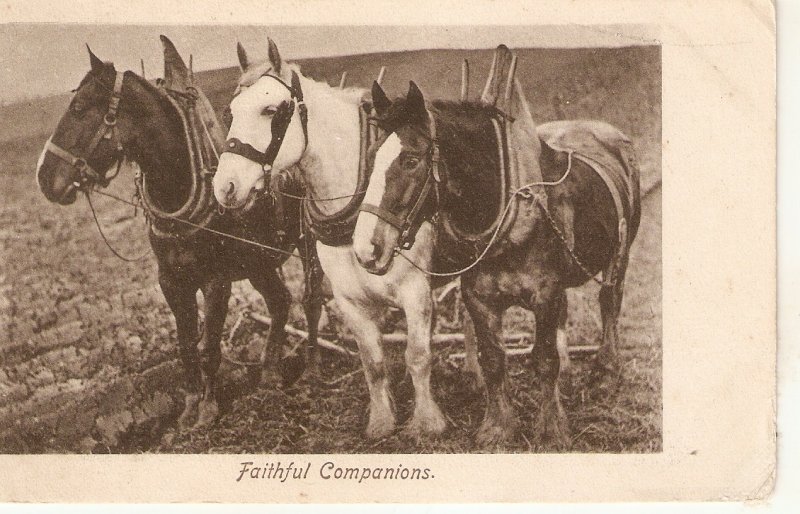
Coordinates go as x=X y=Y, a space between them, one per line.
x=180 y=257
x=352 y=282
x=528 y=280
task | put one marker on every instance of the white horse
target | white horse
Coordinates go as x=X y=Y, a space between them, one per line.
x=283 y=119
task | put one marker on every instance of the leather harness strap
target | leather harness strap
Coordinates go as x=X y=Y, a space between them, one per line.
x=395 y=221
x=105 y=131
x=280 y=124
x=409 y=224
x=337 y=229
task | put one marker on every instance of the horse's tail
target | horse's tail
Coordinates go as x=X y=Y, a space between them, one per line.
x=623 y=150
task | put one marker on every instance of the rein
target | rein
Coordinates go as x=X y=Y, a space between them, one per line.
x=205 y=228
x=524 y=192
x=105 y=239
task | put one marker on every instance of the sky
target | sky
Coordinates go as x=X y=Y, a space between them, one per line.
x=44 y=59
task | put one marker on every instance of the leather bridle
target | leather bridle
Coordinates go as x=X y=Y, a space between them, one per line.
x=280 y=124
x=408 y=221
x=107 y=130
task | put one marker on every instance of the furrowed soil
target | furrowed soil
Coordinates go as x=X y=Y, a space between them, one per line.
x=88 y=358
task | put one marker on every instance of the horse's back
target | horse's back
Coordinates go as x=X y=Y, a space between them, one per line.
x=609 y=152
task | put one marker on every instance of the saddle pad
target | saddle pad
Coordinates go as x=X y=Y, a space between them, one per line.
x=605 y=149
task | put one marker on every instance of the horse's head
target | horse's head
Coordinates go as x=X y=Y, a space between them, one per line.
x=268 y=129
x=86 y=142
x=404 y=168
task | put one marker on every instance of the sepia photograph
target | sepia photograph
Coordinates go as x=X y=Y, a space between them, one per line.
x=401 y=251
x=335 y=253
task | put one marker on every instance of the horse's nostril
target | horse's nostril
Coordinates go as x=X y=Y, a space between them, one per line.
x=231 y=188
x=376 y=251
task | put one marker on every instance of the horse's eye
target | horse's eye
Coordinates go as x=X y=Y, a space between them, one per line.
x=410 y=162
x=77 y=109
x=269 y=111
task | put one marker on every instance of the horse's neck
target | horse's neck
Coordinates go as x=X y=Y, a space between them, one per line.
x=161 y=151
x=330 y=163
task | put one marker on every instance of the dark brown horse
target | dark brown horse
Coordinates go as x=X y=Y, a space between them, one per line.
x=436 y=163
x=172 y=133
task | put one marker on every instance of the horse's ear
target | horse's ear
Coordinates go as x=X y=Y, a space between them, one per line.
x=414 y=100
x=379 y=99
x=96 y=62
x=176 y=74
x=274 y=56
x=242 y=55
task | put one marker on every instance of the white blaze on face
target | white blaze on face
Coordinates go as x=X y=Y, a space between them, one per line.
x=39 y=164
x=250 y=126
x=365 y=227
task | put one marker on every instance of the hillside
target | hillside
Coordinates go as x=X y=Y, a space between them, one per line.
x=619 y=85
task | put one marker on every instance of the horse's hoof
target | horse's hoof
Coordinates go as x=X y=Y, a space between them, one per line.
x=550 y=429
x=189 y=415
x=429 y=422
x=380 y=426
x=208 y=413
x=270 y=378
x=605 y=363
x=291 y=368
x=604 y=376
x=491 y=435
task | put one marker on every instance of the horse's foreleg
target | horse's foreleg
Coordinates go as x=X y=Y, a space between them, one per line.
x=418 y=306
x=181 y=298
x=312 y=298
x=561 y=333
x=216 y=294
x=278 y=299
x=551 y=422
x=472 y=367
x=499 y=421
x=361 y=320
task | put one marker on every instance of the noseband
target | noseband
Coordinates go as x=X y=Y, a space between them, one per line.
x=108 y=130
x=280 y=124
x=409 y=222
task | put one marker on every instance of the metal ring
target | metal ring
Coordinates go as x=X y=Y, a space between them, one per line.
x=110 y=119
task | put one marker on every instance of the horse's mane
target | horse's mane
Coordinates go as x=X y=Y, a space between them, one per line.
x=258 y=69
x=468 y=146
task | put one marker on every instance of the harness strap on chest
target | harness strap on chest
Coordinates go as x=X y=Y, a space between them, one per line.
x=337 y=229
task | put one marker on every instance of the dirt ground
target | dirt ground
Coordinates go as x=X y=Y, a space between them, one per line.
x=87 y=343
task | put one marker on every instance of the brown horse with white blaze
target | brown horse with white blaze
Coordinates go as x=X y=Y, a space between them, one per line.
x=168 y=131
x=434 y=164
